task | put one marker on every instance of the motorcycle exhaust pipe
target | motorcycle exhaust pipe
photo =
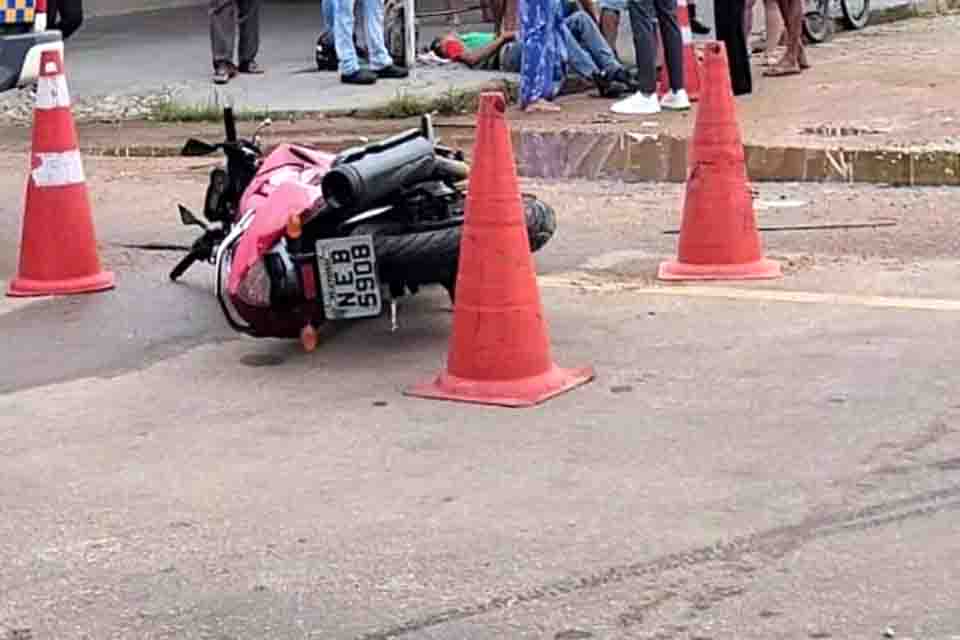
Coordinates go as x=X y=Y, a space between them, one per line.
x=358 y=184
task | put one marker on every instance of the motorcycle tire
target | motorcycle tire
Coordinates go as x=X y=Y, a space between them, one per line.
x=431 y=257
x=856 y=13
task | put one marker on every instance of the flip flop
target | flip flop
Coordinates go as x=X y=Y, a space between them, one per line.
x=779 y=72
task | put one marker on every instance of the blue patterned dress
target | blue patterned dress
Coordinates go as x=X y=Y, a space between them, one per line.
x=543 y=64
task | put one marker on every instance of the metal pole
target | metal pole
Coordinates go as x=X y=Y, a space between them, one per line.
x=409 y=30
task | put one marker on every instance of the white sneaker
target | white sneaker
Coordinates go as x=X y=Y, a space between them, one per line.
x=676 y=101
x=637 y=104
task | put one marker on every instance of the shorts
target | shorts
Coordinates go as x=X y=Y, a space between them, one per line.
x=613 y=5
x=510 y=57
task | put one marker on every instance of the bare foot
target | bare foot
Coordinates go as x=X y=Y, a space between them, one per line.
x=783 y=68
x=804 y=63
x=542 y=106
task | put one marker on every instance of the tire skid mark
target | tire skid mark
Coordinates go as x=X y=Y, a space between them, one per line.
x=773 y=543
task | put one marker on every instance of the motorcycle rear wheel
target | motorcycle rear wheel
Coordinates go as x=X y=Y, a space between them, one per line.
x=432 y=257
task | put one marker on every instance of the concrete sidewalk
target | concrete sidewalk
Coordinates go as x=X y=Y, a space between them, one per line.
x=169 y=52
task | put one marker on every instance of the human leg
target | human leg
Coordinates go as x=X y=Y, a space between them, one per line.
x=248 y=24
x=372 y=19
x=69 y=17
x=222 y=39
x=774 y=27
x=642 y=18
x=789 y=64
x=695 y=25
x=729 y=18
x=586 y=33
x=672 y=41
x=642 y=23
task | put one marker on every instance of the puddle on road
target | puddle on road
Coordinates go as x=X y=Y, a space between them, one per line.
x=640 y=157
x=634 y=157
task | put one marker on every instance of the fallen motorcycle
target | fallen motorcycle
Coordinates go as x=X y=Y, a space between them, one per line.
x=299 y=236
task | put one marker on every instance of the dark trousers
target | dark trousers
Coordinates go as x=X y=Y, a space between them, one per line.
x=227 y=17
x=729 y=19
x=644 y=15
x=65 y=16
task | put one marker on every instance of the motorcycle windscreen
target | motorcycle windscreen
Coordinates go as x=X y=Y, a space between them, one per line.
x=268 y=226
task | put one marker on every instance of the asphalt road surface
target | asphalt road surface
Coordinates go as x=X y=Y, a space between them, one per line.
x=763 y=461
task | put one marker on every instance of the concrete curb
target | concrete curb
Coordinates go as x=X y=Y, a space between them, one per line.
x=624 y=156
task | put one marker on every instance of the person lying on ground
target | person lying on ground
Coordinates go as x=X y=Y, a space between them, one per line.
x=588 y=54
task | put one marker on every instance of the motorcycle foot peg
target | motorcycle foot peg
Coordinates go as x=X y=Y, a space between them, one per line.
x=309 y=338
x=393 y=316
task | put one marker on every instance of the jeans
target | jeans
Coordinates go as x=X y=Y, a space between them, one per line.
x=644 y=16
x=226 y=18
x=613 y=5
x=371 y=12
x=587 y=50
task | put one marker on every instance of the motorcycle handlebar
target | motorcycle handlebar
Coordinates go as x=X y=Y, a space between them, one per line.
x=183 y=265
x=230 y=124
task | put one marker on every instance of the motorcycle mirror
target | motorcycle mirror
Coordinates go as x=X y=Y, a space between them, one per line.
x=267 y=123
x=426 y=127
x=195 y=147
x=188 y=219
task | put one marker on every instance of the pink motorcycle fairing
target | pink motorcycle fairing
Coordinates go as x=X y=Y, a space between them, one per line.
x=287 y=183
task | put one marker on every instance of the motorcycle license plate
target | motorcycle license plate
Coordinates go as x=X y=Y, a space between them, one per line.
x=348 y=277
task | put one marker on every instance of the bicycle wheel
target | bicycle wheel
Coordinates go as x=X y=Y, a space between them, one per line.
x=817 y=24
x=856 y=13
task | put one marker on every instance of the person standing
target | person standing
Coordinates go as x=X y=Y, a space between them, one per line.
x=645 y=15
x=65 y=16
x=773 y=31
x=227 y=17
x=381 y=64
x=794 y=59
x=728 y=15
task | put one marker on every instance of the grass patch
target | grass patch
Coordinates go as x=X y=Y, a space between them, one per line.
x=172 y=111
x=452 y=102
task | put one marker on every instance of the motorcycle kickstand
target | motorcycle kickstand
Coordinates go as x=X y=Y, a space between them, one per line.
x=394 y=326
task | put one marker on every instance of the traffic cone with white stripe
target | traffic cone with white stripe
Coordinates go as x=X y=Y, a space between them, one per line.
x=691 y=64
x=58 y=248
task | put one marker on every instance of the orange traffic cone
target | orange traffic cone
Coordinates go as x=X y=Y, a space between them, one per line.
x=718 y=237
x=691 y=64
x=58 y=248
x=500 y=349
